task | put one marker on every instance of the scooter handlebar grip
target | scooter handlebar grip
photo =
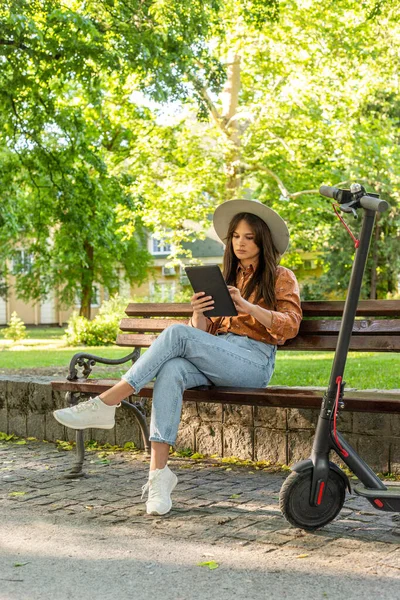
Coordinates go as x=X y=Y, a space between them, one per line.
x=328 y=191
x=374 y=203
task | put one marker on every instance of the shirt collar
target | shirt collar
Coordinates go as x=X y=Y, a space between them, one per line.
x=246 y=270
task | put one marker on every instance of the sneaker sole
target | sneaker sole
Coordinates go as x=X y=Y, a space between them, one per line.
x=155 y=513
x=97 y=426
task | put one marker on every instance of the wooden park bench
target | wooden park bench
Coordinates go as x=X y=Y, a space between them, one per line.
x=377 y=329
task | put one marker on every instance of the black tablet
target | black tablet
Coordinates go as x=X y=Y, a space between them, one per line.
x=209 y=279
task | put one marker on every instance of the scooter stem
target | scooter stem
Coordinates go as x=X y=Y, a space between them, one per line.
x=350 y=307
x=323 y=441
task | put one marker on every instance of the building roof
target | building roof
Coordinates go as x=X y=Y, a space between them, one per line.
x=204 y=248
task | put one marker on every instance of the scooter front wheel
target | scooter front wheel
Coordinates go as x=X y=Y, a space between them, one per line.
x=294 y=500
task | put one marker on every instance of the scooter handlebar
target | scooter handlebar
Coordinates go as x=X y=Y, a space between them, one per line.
x=368 y=202
x=328 y=191
x=374 y=204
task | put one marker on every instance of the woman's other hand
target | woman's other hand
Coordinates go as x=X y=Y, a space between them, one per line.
x=201 y=303
x=241 y=305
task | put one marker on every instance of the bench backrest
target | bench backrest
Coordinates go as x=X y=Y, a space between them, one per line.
x=376 y=329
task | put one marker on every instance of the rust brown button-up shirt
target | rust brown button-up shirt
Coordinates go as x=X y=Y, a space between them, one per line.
x=285 y=319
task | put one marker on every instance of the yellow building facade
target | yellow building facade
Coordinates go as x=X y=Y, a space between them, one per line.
x=163 y=283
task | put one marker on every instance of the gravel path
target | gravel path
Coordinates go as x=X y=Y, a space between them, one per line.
x=90 y=537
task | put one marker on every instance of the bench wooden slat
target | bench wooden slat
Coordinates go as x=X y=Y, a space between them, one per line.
x=320 y=308
x=363 y=343
x=377 y=327
x=286 y=397
x=361 y=327
x=141 y=340
x=165 y=309
x=141 y=325
x=334 y=308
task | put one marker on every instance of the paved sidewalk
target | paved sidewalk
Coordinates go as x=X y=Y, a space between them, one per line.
x=69 y=538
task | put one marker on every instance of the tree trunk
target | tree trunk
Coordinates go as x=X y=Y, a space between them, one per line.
x=87 y=281
x=230 y=103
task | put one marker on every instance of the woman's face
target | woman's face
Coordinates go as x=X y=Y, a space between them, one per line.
x=243 y=244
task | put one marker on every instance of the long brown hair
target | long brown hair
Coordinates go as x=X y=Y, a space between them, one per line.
x=263 y=280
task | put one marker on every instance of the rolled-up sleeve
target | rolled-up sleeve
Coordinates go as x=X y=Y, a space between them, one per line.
x=287 y=317
x=212 y=324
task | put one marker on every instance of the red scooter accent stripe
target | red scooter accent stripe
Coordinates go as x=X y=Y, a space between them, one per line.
x=320 y=492
x=342 y=450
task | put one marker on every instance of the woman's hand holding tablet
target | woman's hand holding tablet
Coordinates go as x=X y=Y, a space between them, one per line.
x=209 y=279
x=200 y=303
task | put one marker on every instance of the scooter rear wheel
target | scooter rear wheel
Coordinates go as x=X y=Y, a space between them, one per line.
x=294 y=500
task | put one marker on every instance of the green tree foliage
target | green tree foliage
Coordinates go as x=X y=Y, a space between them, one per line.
x=310 y=98
x=67 y=120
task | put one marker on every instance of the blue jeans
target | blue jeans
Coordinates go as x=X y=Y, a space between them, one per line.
x=184 y=357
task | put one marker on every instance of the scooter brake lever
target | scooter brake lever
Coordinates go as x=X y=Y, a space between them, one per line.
x=348 y=208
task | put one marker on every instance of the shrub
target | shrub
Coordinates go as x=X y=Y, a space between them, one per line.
x=16 y=329
x=102 y=330
x=182 y=294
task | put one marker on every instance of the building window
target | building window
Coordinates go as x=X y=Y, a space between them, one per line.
x=95 y=299
x=162 y=292
x=168 y=271
x=183 y=278
x=22 y=262
x=159 y=246
x=309 y=265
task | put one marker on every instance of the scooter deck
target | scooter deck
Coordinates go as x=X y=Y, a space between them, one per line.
x=386 y=500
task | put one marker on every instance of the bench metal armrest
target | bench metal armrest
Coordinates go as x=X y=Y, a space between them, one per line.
x=86 y=361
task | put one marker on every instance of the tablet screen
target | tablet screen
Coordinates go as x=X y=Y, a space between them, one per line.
x=209 y=279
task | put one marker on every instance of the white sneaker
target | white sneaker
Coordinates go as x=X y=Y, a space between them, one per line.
x=92 y=413
x=160 y=485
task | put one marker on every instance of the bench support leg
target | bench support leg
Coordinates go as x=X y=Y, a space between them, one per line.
x=76 y=470
x=138 y=409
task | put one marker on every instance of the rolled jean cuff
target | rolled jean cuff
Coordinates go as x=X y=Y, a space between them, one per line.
x=152 y=438
x=131 y=383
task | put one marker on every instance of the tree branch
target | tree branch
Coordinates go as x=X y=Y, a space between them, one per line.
x=281 y=185
x=302 y=193
x=218 y=119
x=285 y=194
x=4 y=42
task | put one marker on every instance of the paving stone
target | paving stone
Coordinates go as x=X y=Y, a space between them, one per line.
x=42 y=501
x=203 y=506
x=392 y=559
x=309 y=542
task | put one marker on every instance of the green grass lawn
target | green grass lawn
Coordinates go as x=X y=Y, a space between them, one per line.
x=44 y=347
x=55 y=357
x=364 y=370
x=39 y=333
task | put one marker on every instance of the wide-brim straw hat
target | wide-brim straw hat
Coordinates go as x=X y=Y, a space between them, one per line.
x=225 y=212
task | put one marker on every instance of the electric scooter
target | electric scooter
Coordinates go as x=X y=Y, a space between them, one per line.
x=314 y=493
